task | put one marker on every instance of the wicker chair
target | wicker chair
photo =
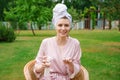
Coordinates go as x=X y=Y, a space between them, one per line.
x=29 y=74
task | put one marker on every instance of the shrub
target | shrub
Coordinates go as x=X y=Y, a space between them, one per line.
x=6 y=34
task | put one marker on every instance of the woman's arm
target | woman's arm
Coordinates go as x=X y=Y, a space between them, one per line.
x=40 y=62
x=73 y=63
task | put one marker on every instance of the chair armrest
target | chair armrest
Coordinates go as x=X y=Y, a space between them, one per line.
x=82 y=74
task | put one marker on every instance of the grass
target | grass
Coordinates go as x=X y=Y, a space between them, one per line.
x=100 y=53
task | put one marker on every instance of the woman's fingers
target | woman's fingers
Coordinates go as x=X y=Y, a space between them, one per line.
x=67 y=60
x=47 y=64
x=44 y=57
x=45 y=61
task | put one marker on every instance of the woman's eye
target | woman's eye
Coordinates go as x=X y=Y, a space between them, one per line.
x=66 y=25
x=60 y=25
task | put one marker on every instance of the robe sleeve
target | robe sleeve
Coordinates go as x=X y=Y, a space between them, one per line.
x=76 y=60
x=41 y=53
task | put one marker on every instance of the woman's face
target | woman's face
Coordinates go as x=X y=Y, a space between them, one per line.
x=62 y=27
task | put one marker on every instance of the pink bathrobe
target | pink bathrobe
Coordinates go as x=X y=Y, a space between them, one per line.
x=58 y=70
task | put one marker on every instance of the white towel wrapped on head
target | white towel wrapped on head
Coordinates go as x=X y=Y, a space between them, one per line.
x=59 y=11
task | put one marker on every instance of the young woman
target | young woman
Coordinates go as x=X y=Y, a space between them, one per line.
x=59 y=56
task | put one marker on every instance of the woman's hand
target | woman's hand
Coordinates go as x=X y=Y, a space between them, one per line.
x=69 y=62
x=45 y=63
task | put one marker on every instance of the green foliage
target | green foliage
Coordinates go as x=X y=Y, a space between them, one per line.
x=91 y=14
x=13 y=24
x=80 y=4
x=27 y=9
x=23 y=26
x=39 y=11
x=6 y=34
x=74 y=13
x=32 y=10
x=111 y=8
x=3 y=5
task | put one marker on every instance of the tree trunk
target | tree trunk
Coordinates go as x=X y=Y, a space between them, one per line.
x=104 y=21
x=39 y=26
x=119 y=24
x=18 y=29
x=110 y=26
x=32 y=29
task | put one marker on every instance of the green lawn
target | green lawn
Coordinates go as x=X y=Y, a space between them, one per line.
x=100 y=53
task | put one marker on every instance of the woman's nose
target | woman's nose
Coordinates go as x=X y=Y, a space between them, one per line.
x=63 y=27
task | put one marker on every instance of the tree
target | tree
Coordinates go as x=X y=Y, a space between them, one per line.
x=111 y=9
x=90 y=15
x=30 y=11
x=116 y=15
x=79 y=5
x=3 y=5
x=73 y=13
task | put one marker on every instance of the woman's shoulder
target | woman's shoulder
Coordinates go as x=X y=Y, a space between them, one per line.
x=48 y=39
x=74 y=40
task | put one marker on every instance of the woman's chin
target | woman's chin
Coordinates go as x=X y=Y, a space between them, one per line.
x=63 y=35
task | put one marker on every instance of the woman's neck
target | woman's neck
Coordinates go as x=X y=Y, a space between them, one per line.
x=61 y=41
